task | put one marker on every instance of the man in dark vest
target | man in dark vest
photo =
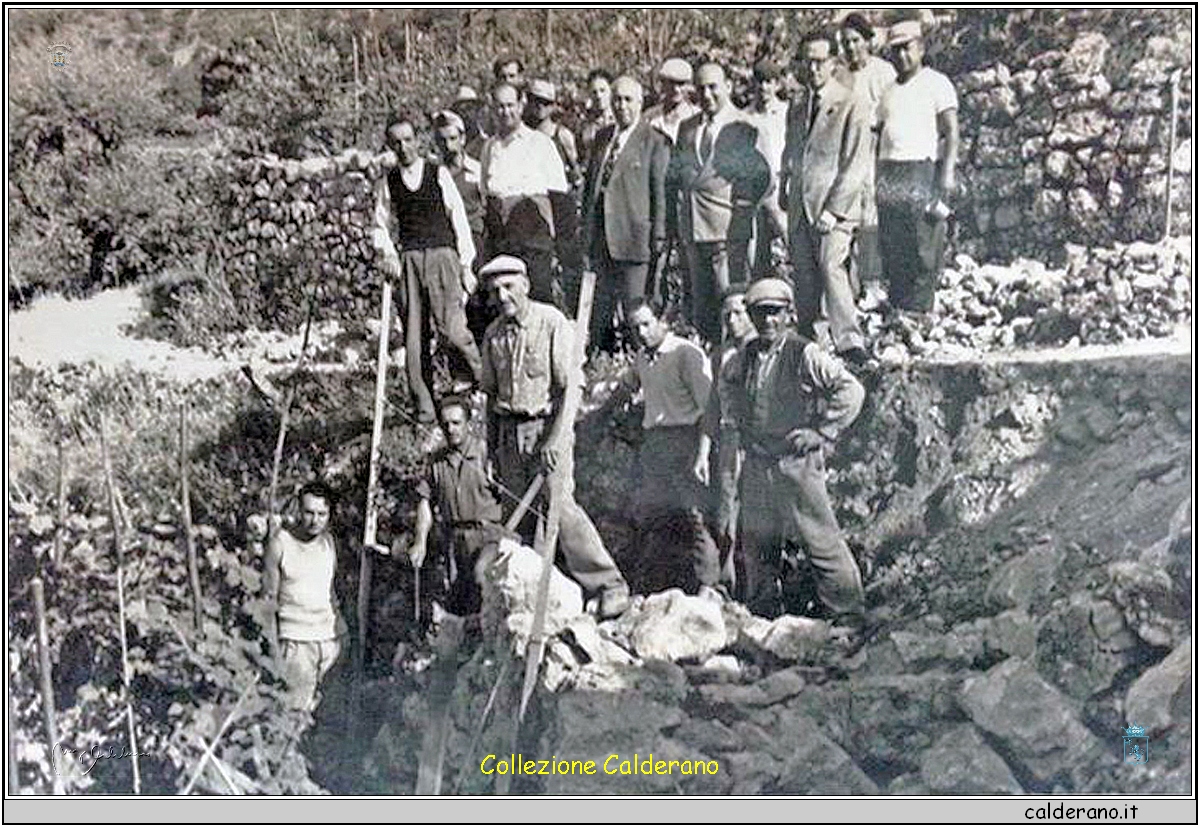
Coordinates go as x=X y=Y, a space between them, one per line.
x=790 y=401
x=420 y=203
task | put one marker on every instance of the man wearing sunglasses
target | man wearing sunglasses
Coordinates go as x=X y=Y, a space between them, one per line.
x=791 y=399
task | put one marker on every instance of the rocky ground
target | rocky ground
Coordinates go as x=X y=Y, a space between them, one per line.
x=1023 y=518
x=1027 y=529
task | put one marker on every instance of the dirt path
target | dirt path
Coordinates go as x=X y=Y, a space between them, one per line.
x=56 y=330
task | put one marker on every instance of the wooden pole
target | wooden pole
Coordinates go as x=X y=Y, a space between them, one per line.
x=537 y=639
x=371 y=520
x=60 y=523
x=189 y=537
x=14 y=772
x=47 y=684
x=286 y=415
x=1176 y=77
x=126 y=672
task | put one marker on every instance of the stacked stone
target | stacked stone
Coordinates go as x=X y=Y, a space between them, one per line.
x=292 y=224
x=1102 y=296
x=1061 y=152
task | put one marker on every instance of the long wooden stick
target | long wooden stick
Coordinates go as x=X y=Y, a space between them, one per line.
x=536 y=646
x=371 y=521
x=14 y=772
x=126 y=672
x=188 y=537
x=47 y=683
x=60 y=523
x=286 y=416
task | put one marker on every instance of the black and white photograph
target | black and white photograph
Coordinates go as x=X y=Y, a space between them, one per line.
x=741 y=404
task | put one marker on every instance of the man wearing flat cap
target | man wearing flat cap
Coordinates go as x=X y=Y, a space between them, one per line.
x=790 y=400
x=528 y=363
x=918 y=150
x=674 y=92
x=540 y=108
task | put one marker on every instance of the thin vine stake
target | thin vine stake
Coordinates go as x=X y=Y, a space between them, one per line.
x=60 y=522
x=47 y=683
x=188 y=536
x=126 y=672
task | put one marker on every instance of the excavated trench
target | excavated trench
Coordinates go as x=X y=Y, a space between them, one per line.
x=1025 y=532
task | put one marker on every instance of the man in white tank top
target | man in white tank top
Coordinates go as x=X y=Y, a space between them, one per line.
x=305 y=628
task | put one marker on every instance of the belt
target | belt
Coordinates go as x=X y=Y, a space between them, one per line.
x=467 y=525
x=521 y=416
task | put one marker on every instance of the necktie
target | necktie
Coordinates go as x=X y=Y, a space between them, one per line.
x=814 y=106
x=706 y=142
x=610 y=162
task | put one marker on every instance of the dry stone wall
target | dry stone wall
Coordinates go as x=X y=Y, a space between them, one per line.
x=1066 y=150
x=294 y=226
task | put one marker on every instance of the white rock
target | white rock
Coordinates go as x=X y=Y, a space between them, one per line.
x=673 y=626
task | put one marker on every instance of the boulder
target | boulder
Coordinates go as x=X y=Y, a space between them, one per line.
x=510 y=595
x=1012 y=633
x=776 y=687
x=1162 y=696
x=1154 y=591
x=1072 y=654
x=813 y=764
x=1035 y=723
x=674 y=626
x=961 y=763
x=788 y=637
x=1025 y=580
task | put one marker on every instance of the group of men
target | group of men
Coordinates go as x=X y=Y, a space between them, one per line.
x=862 y=142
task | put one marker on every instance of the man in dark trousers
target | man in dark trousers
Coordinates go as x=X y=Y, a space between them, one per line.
x=918 y=151
x=720 y=173
x=791 y=401
x=459 y=490
x=826 y=162
x=528 y=363
x=624 y=207
x=676 y=549
x=421 y=202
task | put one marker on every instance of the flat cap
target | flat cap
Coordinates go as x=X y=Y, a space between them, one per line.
x=503 y=266
x=769 y=291
x=903 y=32
x=447 y=118
x=466 y=93
x=542 y=90
x=676 y=69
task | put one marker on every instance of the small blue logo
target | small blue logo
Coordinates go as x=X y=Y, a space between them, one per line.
x=1137 y=745
x=58 y=55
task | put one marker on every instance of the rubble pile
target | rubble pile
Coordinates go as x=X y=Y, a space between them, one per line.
x=1026 y=603
x=1074 y=148
x=1101 y=296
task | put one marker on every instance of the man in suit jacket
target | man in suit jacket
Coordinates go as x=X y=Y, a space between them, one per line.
x=720 y=170
x=826 y=163
x=624 y=206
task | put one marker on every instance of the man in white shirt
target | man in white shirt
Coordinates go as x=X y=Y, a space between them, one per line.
x=304 y=628
x=521 y=167
x=420 y=203
x=918 y=150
